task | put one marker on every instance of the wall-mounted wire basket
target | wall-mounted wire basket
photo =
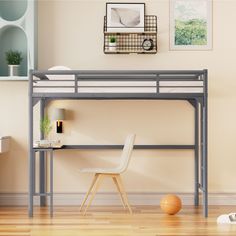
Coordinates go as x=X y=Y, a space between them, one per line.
x=132 y=42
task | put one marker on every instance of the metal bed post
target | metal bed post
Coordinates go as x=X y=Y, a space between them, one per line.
x=31 y=153
x=42 y=163
x=201 y=146
x=196 y=153
x=204 y=147
x=204 y=167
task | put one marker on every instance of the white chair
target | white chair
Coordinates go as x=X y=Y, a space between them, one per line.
x=114 y=173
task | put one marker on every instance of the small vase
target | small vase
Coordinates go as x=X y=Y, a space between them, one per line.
x=112 y=46
x=13 y=70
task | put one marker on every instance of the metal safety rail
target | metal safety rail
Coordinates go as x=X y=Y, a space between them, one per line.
x=188 y=85
x=116 y=84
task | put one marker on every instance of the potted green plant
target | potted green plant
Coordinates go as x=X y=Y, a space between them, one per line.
x=45 y=128
x=13 y=59
x=112 y=43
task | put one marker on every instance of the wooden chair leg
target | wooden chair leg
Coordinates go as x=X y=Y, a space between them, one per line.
x=95 y=189
x=89 y=191
x=119 y=190
x=124 y=193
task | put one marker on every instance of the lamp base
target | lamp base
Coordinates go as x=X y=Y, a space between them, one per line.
x=59 y=127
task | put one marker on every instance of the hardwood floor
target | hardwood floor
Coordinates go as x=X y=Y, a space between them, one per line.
x=109 y=221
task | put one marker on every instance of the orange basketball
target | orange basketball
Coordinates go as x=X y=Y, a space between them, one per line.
x=171 y=204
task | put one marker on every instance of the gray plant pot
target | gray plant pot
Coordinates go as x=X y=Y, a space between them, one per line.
x=13 y=70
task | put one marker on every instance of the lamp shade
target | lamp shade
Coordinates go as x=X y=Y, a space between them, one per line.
x=58 y=114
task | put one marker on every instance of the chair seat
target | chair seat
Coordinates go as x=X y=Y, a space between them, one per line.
x=102 y=170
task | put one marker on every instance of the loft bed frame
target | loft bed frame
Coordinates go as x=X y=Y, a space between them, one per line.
x=187 y=85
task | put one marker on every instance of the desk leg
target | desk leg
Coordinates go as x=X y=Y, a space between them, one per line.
x=51 y=183
x=196 y=154
x=42 y=178
x=31 y=182
x=42 y=161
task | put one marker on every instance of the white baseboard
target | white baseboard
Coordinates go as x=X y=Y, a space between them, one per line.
x=112 y=198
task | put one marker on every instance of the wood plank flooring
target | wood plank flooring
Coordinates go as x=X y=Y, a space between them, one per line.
x=113 y=221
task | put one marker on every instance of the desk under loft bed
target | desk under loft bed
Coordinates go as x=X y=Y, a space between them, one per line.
x=183 y=85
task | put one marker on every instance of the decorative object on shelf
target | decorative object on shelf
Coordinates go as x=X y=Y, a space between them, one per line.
x=112 y=43
x=131 y=42
x=47 y=144
x=17 y=32
x=13 y=59
x=45 y=128
x=59 y=116
x=190 y=25
x=125 y=17
x=147 y=44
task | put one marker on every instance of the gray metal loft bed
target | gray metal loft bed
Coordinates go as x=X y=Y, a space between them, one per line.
x=189 y=85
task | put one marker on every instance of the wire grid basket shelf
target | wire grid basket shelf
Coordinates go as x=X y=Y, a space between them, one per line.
x=131 y=42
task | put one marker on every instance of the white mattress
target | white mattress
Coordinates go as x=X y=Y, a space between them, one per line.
x=181 y=87
x=57 y=86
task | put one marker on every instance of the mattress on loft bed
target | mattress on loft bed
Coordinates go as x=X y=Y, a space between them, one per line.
x=165 y=86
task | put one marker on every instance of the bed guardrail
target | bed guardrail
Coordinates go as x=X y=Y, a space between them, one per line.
x=117 y=82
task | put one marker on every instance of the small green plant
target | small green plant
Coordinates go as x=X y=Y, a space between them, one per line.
x=112 y=39
x=45 y=126
x=13 y=57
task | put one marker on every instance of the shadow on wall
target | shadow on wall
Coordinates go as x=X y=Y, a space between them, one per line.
x=108 y=122
x=70 y=115
x=145 y=167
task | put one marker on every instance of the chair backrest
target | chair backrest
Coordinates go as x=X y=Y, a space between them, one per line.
x=126 y=153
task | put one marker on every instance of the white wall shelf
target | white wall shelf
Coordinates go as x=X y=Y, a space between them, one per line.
x=17 y=32
x=13 y=78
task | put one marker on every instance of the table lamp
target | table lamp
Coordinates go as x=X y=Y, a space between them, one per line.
x=59 y=116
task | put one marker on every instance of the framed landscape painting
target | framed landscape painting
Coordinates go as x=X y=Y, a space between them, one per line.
x=190 y=24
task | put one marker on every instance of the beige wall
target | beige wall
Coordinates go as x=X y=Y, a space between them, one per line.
x=71 y=34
